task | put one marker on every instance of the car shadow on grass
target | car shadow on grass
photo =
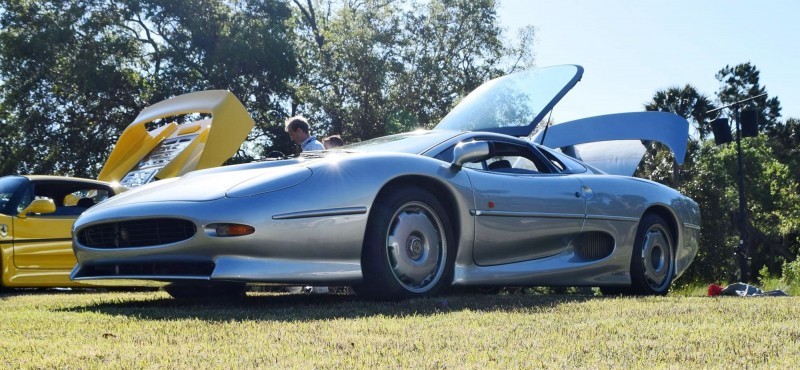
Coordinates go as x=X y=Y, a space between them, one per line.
x=311 y=307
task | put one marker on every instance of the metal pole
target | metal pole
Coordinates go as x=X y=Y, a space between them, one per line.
x=743 y=250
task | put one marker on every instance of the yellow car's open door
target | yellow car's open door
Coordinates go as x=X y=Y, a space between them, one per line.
x=141 y=156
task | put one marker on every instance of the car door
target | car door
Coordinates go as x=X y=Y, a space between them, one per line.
x=44 y=241
x=524 y=208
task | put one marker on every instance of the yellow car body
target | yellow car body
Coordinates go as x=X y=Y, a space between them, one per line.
x=37 y=212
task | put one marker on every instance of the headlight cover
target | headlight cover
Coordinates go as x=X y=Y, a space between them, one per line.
x=275 y=179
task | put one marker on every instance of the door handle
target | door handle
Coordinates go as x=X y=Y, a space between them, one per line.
x=585 y=191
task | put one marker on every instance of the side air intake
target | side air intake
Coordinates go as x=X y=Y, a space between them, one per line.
x=595 y=246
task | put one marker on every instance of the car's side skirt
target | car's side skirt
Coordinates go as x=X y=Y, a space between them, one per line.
x=558 y=270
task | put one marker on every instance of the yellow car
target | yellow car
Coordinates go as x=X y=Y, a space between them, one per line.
x=37 y=212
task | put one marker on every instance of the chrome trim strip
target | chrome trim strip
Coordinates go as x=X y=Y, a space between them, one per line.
x=691 y=226
x=322 y=213
x=478 y=212
x=611 y=218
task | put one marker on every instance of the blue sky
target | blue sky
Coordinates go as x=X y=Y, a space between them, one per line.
x=631 y=49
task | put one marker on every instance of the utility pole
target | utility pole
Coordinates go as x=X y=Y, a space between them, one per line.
x=743 y=250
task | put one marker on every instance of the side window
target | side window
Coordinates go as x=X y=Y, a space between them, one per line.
x=509 y=157
x=563 y=162
x=515 y=158
x=71 y=198
x=85 y=197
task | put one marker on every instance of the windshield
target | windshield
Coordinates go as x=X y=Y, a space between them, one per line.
x=414 y=142
x=8 y=186
x=512 y=104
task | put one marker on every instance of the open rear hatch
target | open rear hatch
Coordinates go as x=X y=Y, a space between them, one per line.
x=141 y=156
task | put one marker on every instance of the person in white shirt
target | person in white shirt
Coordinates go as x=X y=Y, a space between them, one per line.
x=297 y=127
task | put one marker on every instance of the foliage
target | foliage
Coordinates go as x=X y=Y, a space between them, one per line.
x=149 y=330
x=377 y=67
x=788 y=280
x=785 y=142
x=214 y=44
x=686 y=102
x=75 y=73
x=741 y=82
x=70 y=83
x=709 y=176
x=790 y=276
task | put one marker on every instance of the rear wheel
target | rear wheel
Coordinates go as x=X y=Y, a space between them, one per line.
x=408 y=247
x=652 y=263
x=218 y=292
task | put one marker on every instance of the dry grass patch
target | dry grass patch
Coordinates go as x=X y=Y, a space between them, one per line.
x=149 y=329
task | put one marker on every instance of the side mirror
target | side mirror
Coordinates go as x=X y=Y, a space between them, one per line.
x=45 y=205
x=470 y=151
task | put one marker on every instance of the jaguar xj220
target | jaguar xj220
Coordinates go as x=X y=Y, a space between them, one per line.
x=476 y=201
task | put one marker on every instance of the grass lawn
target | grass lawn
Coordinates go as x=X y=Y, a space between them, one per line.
x=59 y=329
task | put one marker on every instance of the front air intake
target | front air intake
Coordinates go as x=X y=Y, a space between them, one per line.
x=137 y=233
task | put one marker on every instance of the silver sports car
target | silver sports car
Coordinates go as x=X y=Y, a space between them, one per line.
x=477 y=201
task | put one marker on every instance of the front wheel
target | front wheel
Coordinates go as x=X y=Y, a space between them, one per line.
x=652 y=263
x=408 y=247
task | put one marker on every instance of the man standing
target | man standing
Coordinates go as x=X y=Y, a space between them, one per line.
x=297 y=127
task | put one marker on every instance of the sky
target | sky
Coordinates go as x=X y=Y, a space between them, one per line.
x=630 y=49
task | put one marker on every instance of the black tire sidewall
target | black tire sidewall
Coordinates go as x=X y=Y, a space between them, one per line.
x=639 y=283
x=378 y=280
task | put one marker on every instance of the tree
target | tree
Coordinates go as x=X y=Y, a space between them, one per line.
x=73 y=73
x=377 y=67
x=741 y=82
x=70 y=82
x=686 y=102
x=239 y=46
x=659 y=163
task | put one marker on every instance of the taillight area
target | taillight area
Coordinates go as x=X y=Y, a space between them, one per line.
x=227 y=230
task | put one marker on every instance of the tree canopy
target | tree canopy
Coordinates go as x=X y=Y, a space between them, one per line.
x=74 y=74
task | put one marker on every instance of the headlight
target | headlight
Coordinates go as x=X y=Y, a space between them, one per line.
x=275 y=179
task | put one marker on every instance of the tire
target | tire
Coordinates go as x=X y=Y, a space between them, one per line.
x=652 y=262
x=207 y=292
x=409 y=250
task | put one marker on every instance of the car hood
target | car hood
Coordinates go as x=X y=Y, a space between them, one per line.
x=233 y=181
x=513 y=104
x=141 y=156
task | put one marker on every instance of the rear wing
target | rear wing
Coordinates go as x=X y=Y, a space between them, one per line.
x=667 y=128
x=142 y=156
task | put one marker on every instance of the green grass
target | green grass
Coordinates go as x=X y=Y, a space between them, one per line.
x=266 y=330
